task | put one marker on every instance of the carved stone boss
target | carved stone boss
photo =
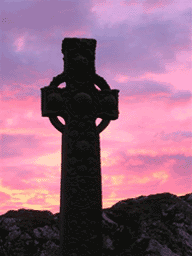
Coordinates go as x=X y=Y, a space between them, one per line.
x=80 y=103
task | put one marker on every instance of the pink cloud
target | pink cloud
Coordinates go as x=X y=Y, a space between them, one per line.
x=37 y=200
x=146 y=178
x=150 y=5
x=4 y=197
x=19 y=43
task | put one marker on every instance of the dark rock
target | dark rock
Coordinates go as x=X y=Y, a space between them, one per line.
x=151 y=225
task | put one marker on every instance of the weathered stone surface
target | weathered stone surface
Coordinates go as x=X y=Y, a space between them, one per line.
x=155 y=225
x=80 y=103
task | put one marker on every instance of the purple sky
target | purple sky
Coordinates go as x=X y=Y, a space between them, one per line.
x=143 y=50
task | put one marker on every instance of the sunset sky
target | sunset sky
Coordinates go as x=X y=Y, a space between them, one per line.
x=143 y=50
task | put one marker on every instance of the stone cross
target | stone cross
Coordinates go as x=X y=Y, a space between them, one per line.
x=80 y=103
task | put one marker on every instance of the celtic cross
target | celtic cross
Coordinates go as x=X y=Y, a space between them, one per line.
x=80 y=103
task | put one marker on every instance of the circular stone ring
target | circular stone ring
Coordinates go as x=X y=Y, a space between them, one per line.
x=99 y=81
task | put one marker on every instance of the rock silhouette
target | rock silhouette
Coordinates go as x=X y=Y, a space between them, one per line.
x=159 y=224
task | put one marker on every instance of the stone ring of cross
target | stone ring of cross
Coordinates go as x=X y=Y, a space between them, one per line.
x=99 y=81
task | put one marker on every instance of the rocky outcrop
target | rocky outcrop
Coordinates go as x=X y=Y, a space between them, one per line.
x=151 y=225
x=29 y=232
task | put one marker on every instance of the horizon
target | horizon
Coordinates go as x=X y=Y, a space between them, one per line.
x=143 y=50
